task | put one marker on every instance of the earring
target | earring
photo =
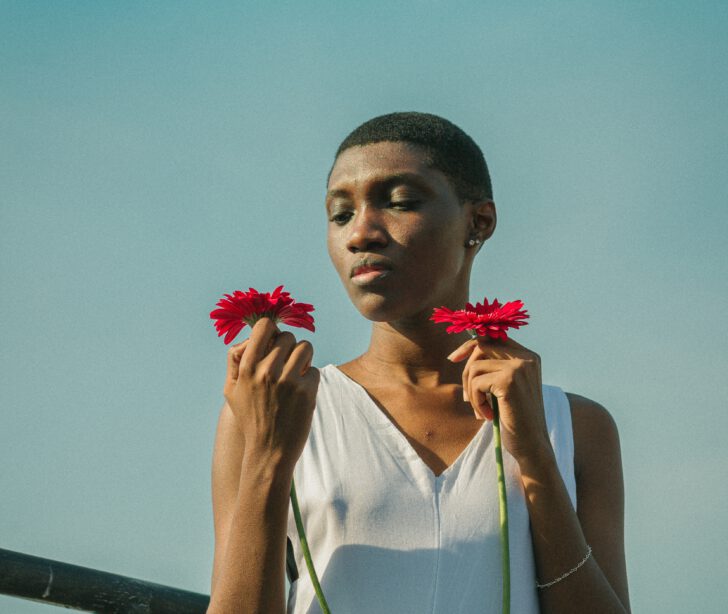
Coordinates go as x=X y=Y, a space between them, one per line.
x=472 y=242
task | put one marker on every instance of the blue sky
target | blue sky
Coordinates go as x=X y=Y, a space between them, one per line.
x=156 y=155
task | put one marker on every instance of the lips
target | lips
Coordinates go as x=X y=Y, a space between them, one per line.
x=369 y=266
x=367 y=269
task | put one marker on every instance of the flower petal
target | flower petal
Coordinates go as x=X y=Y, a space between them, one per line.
x=239 y=309
x=486 y=319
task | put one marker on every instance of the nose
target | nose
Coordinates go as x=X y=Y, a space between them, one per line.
x=366 y=230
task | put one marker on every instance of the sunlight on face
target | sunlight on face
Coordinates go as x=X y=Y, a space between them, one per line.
x=400 y=218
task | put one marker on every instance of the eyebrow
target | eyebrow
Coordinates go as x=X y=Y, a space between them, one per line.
x=388 y=181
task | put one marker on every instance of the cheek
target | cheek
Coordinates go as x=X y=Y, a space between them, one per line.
x=434 y=243
x=333 y=245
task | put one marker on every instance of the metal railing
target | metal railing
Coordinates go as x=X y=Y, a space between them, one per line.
x=82 y=588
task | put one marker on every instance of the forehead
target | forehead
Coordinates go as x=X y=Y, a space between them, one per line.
x=364 y=164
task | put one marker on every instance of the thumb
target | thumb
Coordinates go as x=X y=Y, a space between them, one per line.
x=463 y=351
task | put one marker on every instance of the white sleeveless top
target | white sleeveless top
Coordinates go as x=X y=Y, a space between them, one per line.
x=388 y=536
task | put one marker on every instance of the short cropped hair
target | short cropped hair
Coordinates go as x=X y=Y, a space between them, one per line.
x=450 y=150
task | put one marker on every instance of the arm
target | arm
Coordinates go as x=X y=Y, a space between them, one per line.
x=560 y=536
x=512 y=373
x=600 y=488
x=250 y=509
x=227 y=460
x=270 y=396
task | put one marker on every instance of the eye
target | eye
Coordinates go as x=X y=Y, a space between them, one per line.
x=403 y=205
x=340 y=218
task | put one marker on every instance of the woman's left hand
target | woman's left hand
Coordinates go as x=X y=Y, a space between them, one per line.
x=511 y=373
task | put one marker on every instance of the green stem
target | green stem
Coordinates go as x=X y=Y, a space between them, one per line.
x=307 y=552
x=502 y=504
x=503 y=507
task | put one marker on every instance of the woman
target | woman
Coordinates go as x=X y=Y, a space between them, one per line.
x=394 y=468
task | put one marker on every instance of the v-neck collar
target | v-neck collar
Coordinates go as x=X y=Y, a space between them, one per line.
x=397 y=441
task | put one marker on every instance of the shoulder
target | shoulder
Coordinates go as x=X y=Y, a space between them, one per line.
x=600 y=488
x=596 y=437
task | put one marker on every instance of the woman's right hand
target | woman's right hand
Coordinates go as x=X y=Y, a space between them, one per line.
x=271 y=389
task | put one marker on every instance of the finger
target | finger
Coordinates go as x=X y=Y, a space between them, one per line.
x=310 y=380
x=509 y=342
x=260 y=340
x=464 y=350
x=488 y=365
x=502 y=348
x=280 y=350
x=479 y=389
x=477 y=365
x=235 y=353
x=299 y=362
x=466 y=383
x=483 y=407
x=475 y=354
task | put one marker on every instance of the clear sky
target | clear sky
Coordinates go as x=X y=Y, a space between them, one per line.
x=156 y=155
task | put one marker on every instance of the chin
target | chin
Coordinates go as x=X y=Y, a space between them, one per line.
x=379 y=308
x=376 y=307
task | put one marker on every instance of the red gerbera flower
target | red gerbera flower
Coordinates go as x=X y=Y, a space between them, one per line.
x=241 y=308
x=484 y=319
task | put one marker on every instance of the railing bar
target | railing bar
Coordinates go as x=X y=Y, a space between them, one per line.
x=82 y=588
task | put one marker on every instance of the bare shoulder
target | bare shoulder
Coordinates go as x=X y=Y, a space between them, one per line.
x=596 y=438
x=600 y=488
x=588 y=413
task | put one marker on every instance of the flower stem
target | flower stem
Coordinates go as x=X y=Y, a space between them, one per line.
x=307 y=552
x=502 y=503
x=503 y=507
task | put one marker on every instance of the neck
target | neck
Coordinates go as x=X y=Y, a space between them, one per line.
x=413 y=352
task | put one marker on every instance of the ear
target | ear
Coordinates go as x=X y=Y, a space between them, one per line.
x=483 y=218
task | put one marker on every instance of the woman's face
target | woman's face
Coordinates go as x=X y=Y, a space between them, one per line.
x=397 y=232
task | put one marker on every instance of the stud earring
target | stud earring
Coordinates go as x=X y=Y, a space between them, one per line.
x=472 y=242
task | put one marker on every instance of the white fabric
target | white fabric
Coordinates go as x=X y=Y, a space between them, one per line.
x=387 y=535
